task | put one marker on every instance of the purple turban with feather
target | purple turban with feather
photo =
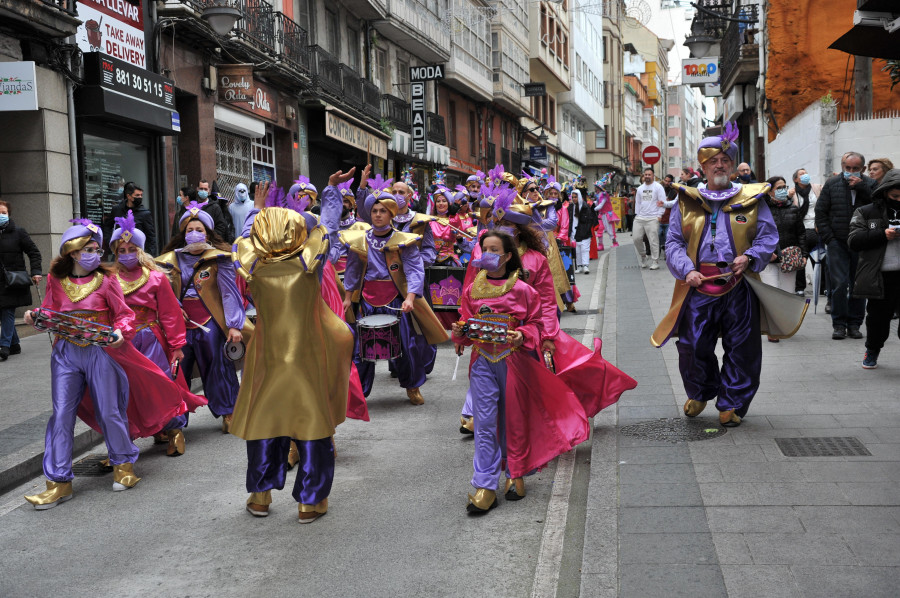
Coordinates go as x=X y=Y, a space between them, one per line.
x=128 y=232
x=195 y=211
x=83 y=232
x=724 y=143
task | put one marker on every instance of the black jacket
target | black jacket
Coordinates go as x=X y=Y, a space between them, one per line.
x=14 y=245
x=868 y=239
x=789 y=222
x=143 y=221
x=587 y=219
x=212 y=208
x=834 y=208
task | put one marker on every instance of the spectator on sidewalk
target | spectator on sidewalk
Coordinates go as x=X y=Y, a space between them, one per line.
x=133 y=199
x=583 y=219
x=15 y=244
x=745 y=174
x=841 y=196
x=689 y=177
x=671 y=200
x=877 y=169
x=201 y=196
x=649 y=205
x=875 y=235
x=215 y=196
x=804 y=194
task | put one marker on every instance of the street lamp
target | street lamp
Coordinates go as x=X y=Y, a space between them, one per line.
x=542 y=138
x=221 y=16
x=699 y=42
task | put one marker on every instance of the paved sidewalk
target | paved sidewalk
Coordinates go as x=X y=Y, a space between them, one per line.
x=732 y=516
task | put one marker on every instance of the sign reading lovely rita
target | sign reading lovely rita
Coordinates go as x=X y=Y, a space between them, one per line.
x=235 y=83
x=127 y=79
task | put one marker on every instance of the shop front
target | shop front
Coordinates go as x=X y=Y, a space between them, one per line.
x=342 y=142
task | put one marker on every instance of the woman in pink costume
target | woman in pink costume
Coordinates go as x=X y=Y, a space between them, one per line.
x=605 y=213
x=444 y=235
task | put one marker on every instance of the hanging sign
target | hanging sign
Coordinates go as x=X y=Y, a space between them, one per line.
x=18 y=86
x=114 y=27
x=695 y=71
x=419 y=118
x=235 y=83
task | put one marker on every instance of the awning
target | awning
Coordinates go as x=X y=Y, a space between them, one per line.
x=95 y=101
x=869 y=35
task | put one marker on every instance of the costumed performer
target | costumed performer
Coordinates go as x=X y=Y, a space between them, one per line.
x=78 y=285
x=606 y=215
x=552 y=193
x=158 y=324
x=239 y=207
x=199 y=269
x=720 y=234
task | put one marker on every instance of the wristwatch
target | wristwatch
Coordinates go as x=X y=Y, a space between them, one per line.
x=750 y=261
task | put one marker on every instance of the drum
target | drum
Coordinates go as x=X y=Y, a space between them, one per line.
x=379 y=337
x=235 y=351
x=444 y=285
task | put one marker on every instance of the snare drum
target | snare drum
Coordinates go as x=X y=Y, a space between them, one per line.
x=379 y=337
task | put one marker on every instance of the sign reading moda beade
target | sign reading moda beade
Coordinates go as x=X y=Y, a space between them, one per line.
x=114 y=27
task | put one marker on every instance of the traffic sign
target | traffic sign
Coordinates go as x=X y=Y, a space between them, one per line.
x=651 y=154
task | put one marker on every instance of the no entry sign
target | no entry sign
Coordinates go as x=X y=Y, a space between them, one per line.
x=651 y=154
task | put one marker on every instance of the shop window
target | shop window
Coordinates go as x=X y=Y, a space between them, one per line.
x=108 y=164
x=233 y=160
x=264 y=156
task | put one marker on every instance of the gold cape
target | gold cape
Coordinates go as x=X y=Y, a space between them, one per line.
x=424 y=320
x=207 y=286
x=297 y=367
x=694 y=208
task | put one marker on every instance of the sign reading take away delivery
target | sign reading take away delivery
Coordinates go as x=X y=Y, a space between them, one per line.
x=113 y=27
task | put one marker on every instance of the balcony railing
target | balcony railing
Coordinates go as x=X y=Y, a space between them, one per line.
x=491 y=154
x=515 y=162
x=504 y=159
x=257 y=27
x=326 y=71
x=351 y=85
x=739 y=44
x=371 y=100
x=67 y=6
x=397 y=112
x=436 y=131
x=294 y=43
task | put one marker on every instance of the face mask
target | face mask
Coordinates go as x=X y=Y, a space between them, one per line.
x=120 y=190
x=847 y=175
x=195 y=236
x=4 y=218
x=129 y=260
x=401 y=200
x=178 y=200
x=137 y=201
x=781 y=194
x=745 y=177
x=242 y=196
x=487 y=261
x=805 y=179
x=202 y=194
x=89 y=261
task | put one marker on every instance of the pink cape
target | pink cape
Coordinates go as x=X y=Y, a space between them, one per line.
x=596 y=382
x=356 y=400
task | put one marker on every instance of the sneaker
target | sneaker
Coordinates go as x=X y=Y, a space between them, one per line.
x=800 y=293
x=15 y=349
x=654 y=265
x=615 y=243
x=585 y=271
x=4 y=353
x=853 y=332
x=840 y=333
x=870 y=361
x=644 y=262
x=600 y=247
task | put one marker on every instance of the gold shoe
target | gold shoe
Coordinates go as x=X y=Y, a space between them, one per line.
x=226 y=423
x=176 y=443
x=729 y=419
x=258 y=503
x=483 y=501
x=160 y=438
x=694 y=408
x=515 y=489
x=309 y=513
x=106 y=466
x=55 y=493
x=415 y=397
x=293 y=456
x=123 y=477
x=466 y=425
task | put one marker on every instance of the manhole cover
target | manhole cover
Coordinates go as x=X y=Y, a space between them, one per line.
x=674 y=429
x=91 y=466
x=827 y=446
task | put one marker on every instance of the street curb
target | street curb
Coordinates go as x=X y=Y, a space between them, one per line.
x=26 y=464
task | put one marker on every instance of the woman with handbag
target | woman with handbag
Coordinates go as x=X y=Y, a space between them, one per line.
x=791 y=253
x=15 y=282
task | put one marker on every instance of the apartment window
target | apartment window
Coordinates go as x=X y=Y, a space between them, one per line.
x=565 y=50
x=302 y=15
x=495 y=50
x=606 y=94
x=578 y=65
x=403 y=78
x=473 y=134
x=503 y=130
x=671 y=163
x=332 y=33
x=670 y=122
x=551 y=113
x=382 y=70
x=600 y=137
x=605 y=50
x=580 y=135
x=353 y=49
x=671 y=142
x=451 y=125
x=566 y=123
x=544 y=35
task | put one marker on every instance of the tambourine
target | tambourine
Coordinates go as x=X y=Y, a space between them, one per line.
x=235 y=351
x=71 y=327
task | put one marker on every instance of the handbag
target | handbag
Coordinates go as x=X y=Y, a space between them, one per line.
x=791 y=259
x=16 y=279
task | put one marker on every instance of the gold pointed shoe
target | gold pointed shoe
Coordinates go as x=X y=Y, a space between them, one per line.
x=467 y=425
x=123 y=477
x=160 y=438
x=309 y=513
x=694 y=408
x=226 y=423
x=176 y=443
x=729 y=419
x=293 y=456
x=105 y=466
x=514 y=489
x=483 y=501
x=258 y=503
x=415 y=396
x=55 y=493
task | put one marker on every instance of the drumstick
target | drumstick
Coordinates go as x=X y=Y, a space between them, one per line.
x=715 y=276
x=41 y=299
x=442 y=221
x=455 y=368
x=200 y=326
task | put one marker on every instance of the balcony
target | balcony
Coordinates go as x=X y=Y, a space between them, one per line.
x=371 y=100
x=50 y=18
x=583 y=104
x=326 y=72
x=411 y=25
x=436 y=131
x=491 y=154
x=351 y=85
x=740 y=49
x=293 y=43
x=397 y=112
x=569 y=146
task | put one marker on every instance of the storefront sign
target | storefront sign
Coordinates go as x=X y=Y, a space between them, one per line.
x=695 y=71
x=419 y=116
x=176 y=122
x=114 y=27
x=18 y=86
x=537 y=153
x=235 y=83
x=535 y=90
x=129 y=80
x=264 y=101
x=338 y=128
x=463 y=166
x=426 y=73
x=569 y=165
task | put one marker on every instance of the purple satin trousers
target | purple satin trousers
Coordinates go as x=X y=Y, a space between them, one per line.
x=267 y=467
x=147 y=343
x=735 y=317
x=72 y=369
x=487 y=387
x=415 y=360
x=220 y=383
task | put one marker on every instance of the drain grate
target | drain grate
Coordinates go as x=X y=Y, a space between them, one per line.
x=674 y=429
x=827 y=446
x=631 y=267
x=90 y=466
x=574 y=331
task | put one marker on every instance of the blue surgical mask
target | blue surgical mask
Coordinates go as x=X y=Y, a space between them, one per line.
x=4 y=218
x=195 y=236
x=805 y=179
x=745 y=178
x=120 y=190
x=202 y=194
x=781 y=194
x=129 y=260
x=178 y=200
x=847 y=175
x=487 y=261
x=89 y=261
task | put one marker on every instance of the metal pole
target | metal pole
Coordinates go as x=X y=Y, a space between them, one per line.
x=73 y=150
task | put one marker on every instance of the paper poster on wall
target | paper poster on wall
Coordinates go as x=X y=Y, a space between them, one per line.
x=113 y=27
